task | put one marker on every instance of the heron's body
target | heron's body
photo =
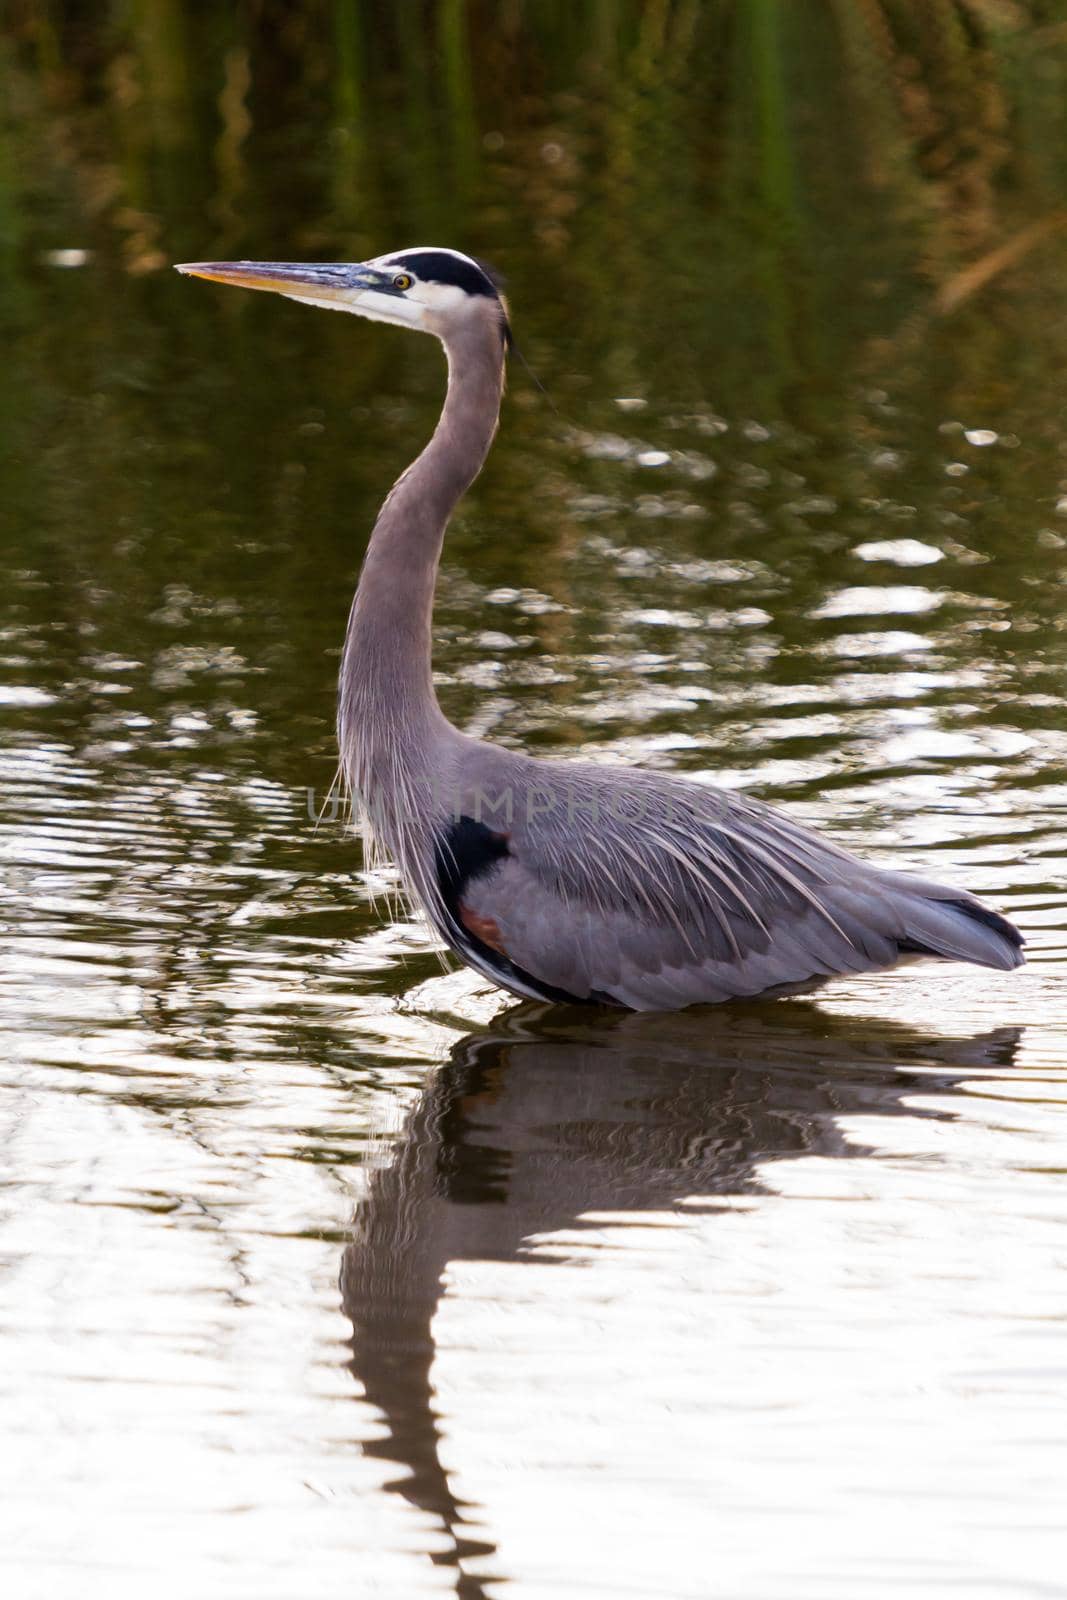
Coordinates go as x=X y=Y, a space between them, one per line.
x=564 y=880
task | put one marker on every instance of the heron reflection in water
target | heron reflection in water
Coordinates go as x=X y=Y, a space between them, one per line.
x=553 y=1116
x=572 y=882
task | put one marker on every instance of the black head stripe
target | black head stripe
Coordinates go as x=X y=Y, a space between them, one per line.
x=437 y=266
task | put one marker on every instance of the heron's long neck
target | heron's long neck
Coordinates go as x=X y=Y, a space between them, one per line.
x=386 y=689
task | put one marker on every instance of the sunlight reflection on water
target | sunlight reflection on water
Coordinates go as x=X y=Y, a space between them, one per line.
x=783 y=1260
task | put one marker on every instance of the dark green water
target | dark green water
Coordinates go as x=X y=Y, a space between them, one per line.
x=795 y=277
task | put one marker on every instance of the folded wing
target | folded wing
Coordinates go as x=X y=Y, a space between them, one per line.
x=653 y=893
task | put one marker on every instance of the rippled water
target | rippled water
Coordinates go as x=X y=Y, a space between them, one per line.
x=326 y=1272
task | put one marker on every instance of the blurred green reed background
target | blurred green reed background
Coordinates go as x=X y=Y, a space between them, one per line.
x=616 y=154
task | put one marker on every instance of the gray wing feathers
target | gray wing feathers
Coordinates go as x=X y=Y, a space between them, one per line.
x=708 y=896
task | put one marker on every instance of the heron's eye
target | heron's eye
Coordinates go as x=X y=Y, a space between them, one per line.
x=402 y=281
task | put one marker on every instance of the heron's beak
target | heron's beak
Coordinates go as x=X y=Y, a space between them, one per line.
x=364 y=289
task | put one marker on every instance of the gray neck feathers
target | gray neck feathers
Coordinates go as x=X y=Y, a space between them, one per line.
x=387 y=710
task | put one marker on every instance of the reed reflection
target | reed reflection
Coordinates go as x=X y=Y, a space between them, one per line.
x=551 y=1116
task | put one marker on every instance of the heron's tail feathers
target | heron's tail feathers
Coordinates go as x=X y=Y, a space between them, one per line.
x=930 y=919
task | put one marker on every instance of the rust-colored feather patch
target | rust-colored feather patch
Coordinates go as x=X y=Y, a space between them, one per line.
x=483 y=928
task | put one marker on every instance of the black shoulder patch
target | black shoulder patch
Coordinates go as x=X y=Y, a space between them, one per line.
x=437 y=266
x=468 y=850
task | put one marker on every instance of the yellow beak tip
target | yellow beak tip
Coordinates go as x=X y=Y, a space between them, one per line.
x=242 y=275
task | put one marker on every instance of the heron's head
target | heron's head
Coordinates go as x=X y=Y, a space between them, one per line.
x=438 y=291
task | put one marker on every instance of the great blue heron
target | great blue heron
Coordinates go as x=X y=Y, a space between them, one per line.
x=569 y=881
